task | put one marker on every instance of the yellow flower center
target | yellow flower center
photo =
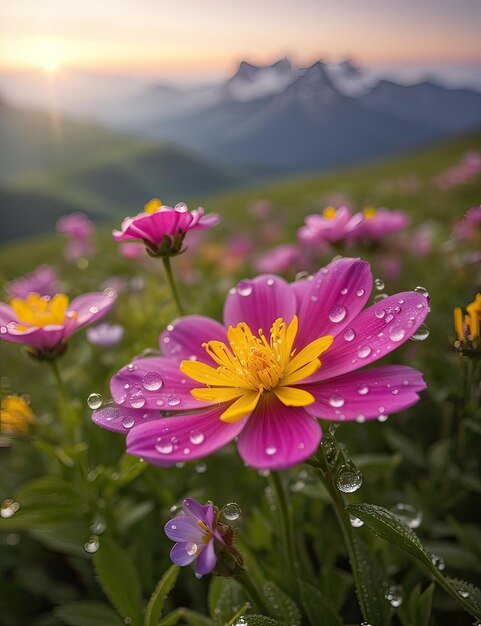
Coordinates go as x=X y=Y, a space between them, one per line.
x=40 y=311
x=369 y=213
x=15 y=415
x=252 y=365
x=471 y=321
x=329 y=213
x=152 y=205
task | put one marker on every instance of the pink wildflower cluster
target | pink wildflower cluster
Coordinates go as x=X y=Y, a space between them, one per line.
x=468 y=167
x=79 y=230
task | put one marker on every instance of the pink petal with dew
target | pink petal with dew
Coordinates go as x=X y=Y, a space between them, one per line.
x=183 y=338
x=7 y=315
x=207 y=559
x=335 y=296
x=300 y=288
x=154 y=383
x=207 y=221
x=183 y=437
x=184 y=528
x=90 y=307
x=375 y=332
x=120 y=419
x=179 y=555
x=368 y=394
x=259 y=302
x=277 y=437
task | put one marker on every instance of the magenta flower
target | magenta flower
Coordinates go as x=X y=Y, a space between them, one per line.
x=45 y=323
x=333 y=226
x=43 y=280
x=378 y=223
x=279 y=259
x=75 y=225
x=163 y=228
x=195 y=534
x=105 y=335
x=239 y=380
x=469 y=225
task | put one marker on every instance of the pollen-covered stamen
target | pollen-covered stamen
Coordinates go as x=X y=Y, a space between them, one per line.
x=40 y=311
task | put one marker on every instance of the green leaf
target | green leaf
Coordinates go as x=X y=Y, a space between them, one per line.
x=119 y=579
x=417 y=610
x=318 y=609
x=371 y=585
x=191 y=617
x=157 y=600
x=259 y=620
x=469 y=594
x=87 y=614
x=411 y=451
x=224 y=593
x=283 y=606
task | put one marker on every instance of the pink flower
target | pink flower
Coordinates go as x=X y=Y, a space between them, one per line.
x=75 y=225
x=268 y=389
x=132 y=251
x=378 y=223
x=45 y=323
x=468 y=226
x=105 y=335
x=43 y=280
x=279 y=259
x=333 y=226
x=162 y=228
x=468 y=167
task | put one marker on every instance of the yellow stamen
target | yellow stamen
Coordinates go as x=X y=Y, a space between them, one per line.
x=329 y=213
x=15 y=415
x=458 y=323
x=40 y=311
x=252 y=365
x=471 y=322
x=369 y=213
x=152 y=205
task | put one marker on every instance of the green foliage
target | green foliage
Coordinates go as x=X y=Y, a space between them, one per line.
x=226 y=596
x=417 y=610
x=284 y=609
x=318 y=609
x=157 y=600
x=87 y=614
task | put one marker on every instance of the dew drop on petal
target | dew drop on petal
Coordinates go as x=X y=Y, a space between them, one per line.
x=131 y=367
x=380 y=297
x=196 y=437
x=270 y=450
x=382 y=418
x=231 y=511
x=421 y=334
x=128 y=422
x=344 y=291
x=137 y=400
x=191 y=549
x=380 y=313
x=164 y=447
x=360 y=292
x=337 y=313
x=244 y=288
x=423 y=291
x=173 y=400
x=364 y=351
x=94 y=401
x=363 y=390
x=350 y=334
x=397 y=334
x=152 y=381
x=93 y=309
x=336 y=401
x=270 y=281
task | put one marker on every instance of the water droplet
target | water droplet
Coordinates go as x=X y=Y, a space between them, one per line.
x=350 y=334
x=137 y=400
x=360 y=419
x=131 y=367
x=438 y=562
x=164 y=447
x=394 y=595
x=336 y=401
x=397 y=334
x=363 y=390
x=423 y=291
x=380 y=297
x=98 y=526
x=8 y=508
x=3 y=330
x=152 y=381
x=159 y=402
x=128 y=422
x=200 y=468
x=314 y=298
x=382 y=418
x=92 y=545
x=93 y=309
x=186 y=451
x=364 y=351
x=464 y=593
x=348 y=478
x=379 y=284
x=173 y=400
x=264 y=473
x=408 y=514
x=270 y=450
x=231 y=511
x=244 y=288
x=421 y=334
x=270 y=281
x=380 y=313
x=196 y=437
x=337 y=313
x=94 y=400
x=344 y=291
x=355 y=521
x=360 y=292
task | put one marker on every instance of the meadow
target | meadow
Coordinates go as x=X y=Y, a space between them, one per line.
x=82 y=522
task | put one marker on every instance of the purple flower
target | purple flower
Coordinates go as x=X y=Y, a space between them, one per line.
x=45 y=323
x=260 y=376
x=333 y=226
x=43 y=280
x=75 y=225
x=105 y=335
x=163 y=228
x=378 y=223
x=279 y=259
x=196 y=535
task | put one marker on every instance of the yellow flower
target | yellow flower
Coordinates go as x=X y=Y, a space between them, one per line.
x=15 y=415
x=469 y=326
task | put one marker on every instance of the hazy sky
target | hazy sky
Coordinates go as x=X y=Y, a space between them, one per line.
x=212 y=35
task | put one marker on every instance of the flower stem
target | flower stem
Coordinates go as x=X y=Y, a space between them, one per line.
x=288 y=538
x=343 y=518
x=66 y=411
x=257 y=598
x=172 y=285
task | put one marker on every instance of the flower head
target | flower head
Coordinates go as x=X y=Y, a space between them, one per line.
x=44 y=324
x=105 y=335
x=333 y=226
x=43 y=280
x=468 y=326
x=15 y=415
x=469 y=226
x=286 y=355
x=196 y=535
x=163 y=228
x=279 y=259
x=378 y=223
x=75 y=225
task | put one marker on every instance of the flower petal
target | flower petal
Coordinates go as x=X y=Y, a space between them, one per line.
x=241 y=407
x=367 y=394
x=183 y=338
x=375 y=332
x=182 y=438
x=179 y=555
x=293 y=396
x=90 y=307
x=335 y=296
x=122 y=419
x=276 y=437
x=259 y=302
x=184 y=528
x=154 y=383
x=207 y=560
